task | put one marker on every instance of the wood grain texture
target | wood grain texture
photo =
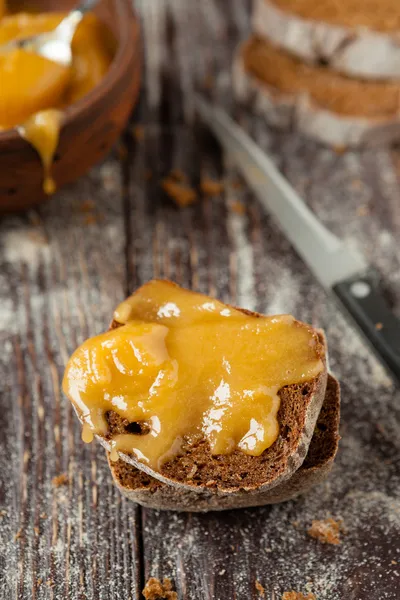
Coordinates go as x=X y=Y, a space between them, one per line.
x=65 y=267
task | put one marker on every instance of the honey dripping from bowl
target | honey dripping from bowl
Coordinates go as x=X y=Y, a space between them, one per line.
x=42 y=131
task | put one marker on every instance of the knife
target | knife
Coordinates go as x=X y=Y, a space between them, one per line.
x=342 y=271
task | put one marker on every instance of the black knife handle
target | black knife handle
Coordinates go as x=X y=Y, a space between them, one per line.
x=363 y=300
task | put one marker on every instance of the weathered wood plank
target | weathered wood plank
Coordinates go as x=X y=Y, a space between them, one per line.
x=63 y=271
x=244 y=259
x=60 y=278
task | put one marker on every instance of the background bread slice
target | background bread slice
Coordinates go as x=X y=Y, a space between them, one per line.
x=143 y=489
x=320 y=104
x=196 y=468
x=353 y=39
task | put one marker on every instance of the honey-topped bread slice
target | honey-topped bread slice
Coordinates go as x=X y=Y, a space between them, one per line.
x=148 y=491
x=196 y=392
x=356 y=37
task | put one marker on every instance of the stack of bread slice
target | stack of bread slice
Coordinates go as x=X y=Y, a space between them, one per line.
x=330 y=69
x=198 y=481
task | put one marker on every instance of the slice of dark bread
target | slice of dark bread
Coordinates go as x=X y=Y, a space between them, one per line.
x=196 y=469
x=147 y=491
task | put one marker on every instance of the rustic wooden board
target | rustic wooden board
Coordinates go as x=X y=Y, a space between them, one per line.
x=64 y=268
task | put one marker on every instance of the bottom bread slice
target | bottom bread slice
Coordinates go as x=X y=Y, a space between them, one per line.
x=147 y=491
x=334 y=109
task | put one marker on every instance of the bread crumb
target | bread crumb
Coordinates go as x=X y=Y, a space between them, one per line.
x=177 y=175
x=378 y=326
x=86 y=206
x=260 y=589
x=211 y=187
x=60 y=480
x=39 y=581
x=326 y=531
x=36 y=530
x=18 y=534
x=356 y=184
x=50 y=583
x=298 y=596
x=238 y=207
x=393 y=562
x=181 y=193
x=90 y=220
x=155 y=590
x=43 y=515
x=3 y=513
x=138 y=132
x=362 y=210
x=340 y=149
x=237 y=184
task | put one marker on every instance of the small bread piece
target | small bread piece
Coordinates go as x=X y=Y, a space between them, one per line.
x=357 y=38
x=147 y=491
x=319 y=103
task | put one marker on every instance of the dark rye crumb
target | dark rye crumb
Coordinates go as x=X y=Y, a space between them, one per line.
x=326 y=531
x=298 y=596
x=60 y=480
x=211 y=187
x=155 y=590
x=181 y=193
x=260 y=589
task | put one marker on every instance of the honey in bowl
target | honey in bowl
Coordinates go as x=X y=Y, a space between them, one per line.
x=35 y=91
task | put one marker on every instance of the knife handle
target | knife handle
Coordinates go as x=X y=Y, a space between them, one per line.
x=366 y=305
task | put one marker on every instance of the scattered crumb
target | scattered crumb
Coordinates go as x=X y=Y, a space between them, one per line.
x=393 y=562
x=237 y=184
x=211 y=187
x=296 y=524
x=39 y=581
x=209 y=81
x=38 y=237
x=181 y=193
x=238 y=207
x=148 y=175
x=90 y=220
x=297 y=596
x=43 y=515
x=356 y=184
x=326 y=531
x=50 y=583
x=3 y=513
x=86 y=206
x=260 y=589
x=155 y=590
x=210 y=483
x=339 y=149
x=177 y=175
x=192 y=472
x=36 y=530
x=138 y=132
x=362 y=210
x=222 y=572
x=18 y=534
x=60 y=480
x=378 y=326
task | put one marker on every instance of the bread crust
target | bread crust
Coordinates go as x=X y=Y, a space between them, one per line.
x=299 y=112
x=152 y=493
x=360 y=52
x=293 y=453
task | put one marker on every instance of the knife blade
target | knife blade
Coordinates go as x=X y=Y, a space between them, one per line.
x=341 y=270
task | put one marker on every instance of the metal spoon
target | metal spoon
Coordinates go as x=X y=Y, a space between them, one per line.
x=54 y=45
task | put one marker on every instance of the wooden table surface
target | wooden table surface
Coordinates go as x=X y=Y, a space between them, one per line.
x=64 y=267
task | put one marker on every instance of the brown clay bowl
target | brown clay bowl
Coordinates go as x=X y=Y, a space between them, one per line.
x=90 y=127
